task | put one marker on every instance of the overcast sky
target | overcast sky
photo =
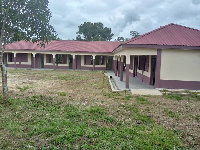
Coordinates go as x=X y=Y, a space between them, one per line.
x=122 y=16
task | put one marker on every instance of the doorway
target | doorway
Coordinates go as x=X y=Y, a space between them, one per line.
x=41 y=60
x=70 y=61
x=109 y=62
x=78 y=62
x=153 y=70
x=135 y=66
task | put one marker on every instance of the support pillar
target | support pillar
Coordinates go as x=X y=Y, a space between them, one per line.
x=33 y=65
x=121 y=68
x=113 y=63
x=127 y=70
x=15 y=54
x=93 y=62
x=54 y=61
x=158 y=66
x=20 y=61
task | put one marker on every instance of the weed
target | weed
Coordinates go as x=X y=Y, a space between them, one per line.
x=187 y=91
x=62 y=93
x=197 y=117
x=24 y=88
x=175 y=97
x=142 y=100
x=165 y=91
x=128 y=97
x=196 y=96
x=73 y=77
x=171 y=113
x=103 y=80
x=115 y=95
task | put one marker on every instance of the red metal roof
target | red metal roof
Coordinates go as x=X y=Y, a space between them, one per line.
x=171 y=34
x=67 y=46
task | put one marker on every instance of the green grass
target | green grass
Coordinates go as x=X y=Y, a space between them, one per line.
x=171 y=113
x=62 y=93
x=73 y=77
x=39 y=122
x=142 y=100
x=197 y=117
x=175 y=97
x=128 y=97
x=24 y=88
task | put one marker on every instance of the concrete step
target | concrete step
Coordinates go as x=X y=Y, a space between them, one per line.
x=145 y=92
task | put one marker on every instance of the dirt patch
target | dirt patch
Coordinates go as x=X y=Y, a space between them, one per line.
x=87 y=88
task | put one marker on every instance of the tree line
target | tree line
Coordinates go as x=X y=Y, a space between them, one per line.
x=89 y=31
x=29 y=20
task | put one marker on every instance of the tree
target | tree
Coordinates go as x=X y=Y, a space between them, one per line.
x=23 y=20
x=93 y=32
x=134 y=34
x=120 y=39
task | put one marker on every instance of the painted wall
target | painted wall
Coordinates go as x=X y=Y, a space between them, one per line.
x=181 y=65
x=23 y=60
x=29 y=63
x=90 y=67
x=137 y=51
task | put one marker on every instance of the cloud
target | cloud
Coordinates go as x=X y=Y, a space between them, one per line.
x=123 y=16
x=196 y=2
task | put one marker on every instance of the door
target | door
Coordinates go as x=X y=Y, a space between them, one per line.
x=135 y=66
x=41 y=61
x=78 y=62
x=70 y=61
x=109 y=62
x=153 y=70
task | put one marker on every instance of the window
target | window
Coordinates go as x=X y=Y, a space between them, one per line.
x=49 y=58
x=23 y=57
x=102 y=60
x=143 y=63
x=88 y=60
x=59 y=59
x=91 y=60
x=10 y=57
x=64 y=59
x=147 y=63
x=131 y=62
x=97 y=60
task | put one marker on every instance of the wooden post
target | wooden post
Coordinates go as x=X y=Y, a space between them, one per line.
x=121 y=68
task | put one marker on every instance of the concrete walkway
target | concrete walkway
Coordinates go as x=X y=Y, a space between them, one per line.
x=136 y=86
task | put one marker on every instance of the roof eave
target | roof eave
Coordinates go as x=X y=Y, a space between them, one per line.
x=183 y=47
x=45 y=51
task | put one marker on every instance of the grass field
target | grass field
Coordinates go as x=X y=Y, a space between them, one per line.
x=77 y=110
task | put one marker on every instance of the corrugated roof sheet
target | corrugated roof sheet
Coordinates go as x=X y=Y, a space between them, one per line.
x=171 y=34
x=67 y=46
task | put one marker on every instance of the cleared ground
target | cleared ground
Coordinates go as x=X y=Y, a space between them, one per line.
x=76 y=109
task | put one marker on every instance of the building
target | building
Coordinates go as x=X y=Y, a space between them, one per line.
x=168 y=57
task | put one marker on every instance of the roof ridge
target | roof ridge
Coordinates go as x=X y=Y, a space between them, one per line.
x=186 y=27
x=155 y=30
x=162 y=27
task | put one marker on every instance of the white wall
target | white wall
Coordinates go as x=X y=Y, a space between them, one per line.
x=180 y=65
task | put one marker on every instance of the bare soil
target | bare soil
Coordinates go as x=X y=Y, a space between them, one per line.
x=87 y=88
